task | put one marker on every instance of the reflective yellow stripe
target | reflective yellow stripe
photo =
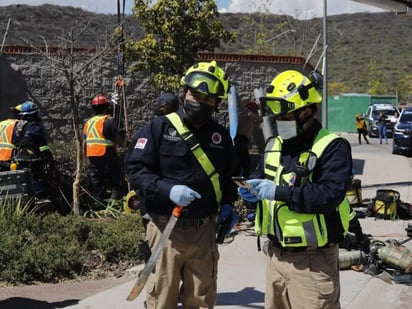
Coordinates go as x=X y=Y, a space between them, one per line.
x=92 y=135
x=44 y=148
x=199 y=154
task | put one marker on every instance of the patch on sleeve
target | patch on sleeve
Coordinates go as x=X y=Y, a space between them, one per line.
x=141 y=143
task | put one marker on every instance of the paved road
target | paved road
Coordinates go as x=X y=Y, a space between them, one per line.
x=378 y=168
x=242 y=267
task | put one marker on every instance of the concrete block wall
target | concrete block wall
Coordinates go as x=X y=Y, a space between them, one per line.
x=33 y=77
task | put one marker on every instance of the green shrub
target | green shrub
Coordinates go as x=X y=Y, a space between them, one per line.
x=117 y=241
x=55 y=247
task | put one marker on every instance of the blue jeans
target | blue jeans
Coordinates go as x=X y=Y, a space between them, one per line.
x=382 y=133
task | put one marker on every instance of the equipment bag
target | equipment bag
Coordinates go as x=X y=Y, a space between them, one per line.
x=404 y=211
x=354 y=193
x=386 y=203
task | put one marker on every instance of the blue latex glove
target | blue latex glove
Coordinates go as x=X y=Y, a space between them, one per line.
x=247 y=195
x=226 y=211
x=235 y=219
x=263 y=188
x=182 y=195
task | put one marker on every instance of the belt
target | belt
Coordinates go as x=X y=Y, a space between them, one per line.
x=182 y=223
x=300 y=249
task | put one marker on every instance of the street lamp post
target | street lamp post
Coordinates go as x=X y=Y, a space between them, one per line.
x=325 y=67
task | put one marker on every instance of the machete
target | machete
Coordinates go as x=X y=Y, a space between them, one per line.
x=158 y=249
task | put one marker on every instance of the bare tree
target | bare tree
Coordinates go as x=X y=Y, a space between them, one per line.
x=74 y=68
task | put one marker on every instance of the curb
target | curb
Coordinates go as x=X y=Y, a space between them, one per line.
x=379 y=294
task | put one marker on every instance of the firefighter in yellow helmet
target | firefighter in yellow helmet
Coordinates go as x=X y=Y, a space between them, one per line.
x=166 y=168
x=300 y=186
x=101 y=138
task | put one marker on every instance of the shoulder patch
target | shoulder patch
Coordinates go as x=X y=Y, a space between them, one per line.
x=141 y=143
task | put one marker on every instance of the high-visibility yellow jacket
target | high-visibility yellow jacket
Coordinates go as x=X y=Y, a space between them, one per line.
x=291 y=228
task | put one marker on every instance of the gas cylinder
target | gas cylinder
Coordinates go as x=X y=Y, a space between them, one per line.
x=13 y=166
x=348 y=258
x=395 y=256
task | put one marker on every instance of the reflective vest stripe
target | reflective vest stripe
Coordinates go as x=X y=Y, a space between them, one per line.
x=96 y=144
x=198 y=152
x=6 y=136
x=44 y=148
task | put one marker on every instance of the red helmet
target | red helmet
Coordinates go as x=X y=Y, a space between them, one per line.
x=253 y=106
x=100 y=99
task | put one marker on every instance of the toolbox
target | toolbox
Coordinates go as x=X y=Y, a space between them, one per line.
x=15 y=185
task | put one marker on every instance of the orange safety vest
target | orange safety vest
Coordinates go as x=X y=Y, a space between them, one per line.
x=6 y=135
x=96 y=143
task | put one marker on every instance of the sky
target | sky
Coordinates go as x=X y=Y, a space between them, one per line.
x=301 y=9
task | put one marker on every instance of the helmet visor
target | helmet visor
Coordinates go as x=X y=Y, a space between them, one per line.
x=278 y=106
x=204 y=83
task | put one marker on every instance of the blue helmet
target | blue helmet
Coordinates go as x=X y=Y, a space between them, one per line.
x=28 y=108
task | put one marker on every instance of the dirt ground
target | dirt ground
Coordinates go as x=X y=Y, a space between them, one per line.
x=51 y=296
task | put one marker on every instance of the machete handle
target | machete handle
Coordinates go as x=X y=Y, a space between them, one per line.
x=177 y=211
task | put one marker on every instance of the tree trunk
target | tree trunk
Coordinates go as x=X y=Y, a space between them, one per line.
x=79 y=164
x=79 y=149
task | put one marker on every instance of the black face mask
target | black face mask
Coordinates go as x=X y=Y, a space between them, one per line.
x=197 y=113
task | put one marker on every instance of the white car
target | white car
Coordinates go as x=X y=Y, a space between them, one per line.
x=372 y=116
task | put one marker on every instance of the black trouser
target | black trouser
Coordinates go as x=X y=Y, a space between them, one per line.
x=360 y=133
x=106 y=174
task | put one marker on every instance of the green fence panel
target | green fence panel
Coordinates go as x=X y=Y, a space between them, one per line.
x=342 y=110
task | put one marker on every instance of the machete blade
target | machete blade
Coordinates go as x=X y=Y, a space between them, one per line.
x=156 y=252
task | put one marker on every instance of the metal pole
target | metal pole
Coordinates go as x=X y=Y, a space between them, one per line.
x=5 y=35
x=278 y=36
x=325 y=68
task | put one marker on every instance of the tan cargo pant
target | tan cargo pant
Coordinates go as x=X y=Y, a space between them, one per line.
x=190 y=257
x=306 y=280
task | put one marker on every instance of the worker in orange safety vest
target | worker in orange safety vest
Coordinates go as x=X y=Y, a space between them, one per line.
x=7 y=137
x=101 y=137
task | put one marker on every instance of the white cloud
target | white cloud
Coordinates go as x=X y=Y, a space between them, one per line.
x=296 y=8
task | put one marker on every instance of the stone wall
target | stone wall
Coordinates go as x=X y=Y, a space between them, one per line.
x=37 y=78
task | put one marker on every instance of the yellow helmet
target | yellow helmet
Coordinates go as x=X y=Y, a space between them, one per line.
x=208 y=78
x=291 y=90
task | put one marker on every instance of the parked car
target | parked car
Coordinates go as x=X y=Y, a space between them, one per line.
x=372 y=115
x=402 y=135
